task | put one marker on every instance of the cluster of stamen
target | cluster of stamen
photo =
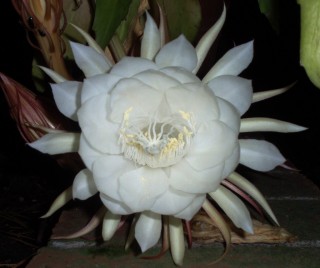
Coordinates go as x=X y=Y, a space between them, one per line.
x=153 y=142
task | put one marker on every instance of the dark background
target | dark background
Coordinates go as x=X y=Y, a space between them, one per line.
x=29 y=181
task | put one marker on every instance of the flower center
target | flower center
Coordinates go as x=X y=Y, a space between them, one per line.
x=156 y=143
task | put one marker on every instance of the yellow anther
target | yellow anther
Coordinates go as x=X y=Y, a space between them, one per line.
x=127 y=114
x=187 y=132
x=185 y=115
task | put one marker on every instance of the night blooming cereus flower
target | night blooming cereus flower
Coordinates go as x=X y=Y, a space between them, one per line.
x=156 y=140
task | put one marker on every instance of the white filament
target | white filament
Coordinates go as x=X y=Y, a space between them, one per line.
x=156 y=143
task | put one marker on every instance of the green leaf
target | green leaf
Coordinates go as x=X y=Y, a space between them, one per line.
x=128 y=22
x=184 y=16
x=310 y=39
x=270 y=8
x=108 y=16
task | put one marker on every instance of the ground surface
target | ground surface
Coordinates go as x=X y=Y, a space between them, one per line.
x=294 y=199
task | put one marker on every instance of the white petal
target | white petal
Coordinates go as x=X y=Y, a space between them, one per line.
x=150 y=43
x=110 y=225
x=268 y=124
x=178 y=52
x=83 y=185
x=148 y=230
x=100 y=132
x=129 y=66
x=106 y=173
x=157 y=80
x=140 y=188
x=236 y=90
x=233 y=62
x=182 y=75
x=229 y=115
x=250 y=189
x=193 y=99
x=57 y=143
x=67 y=97
x=212 y=144
x=232 y=162
x=132 y=94
x=89 y=60
x=178 y=201
x=98 y=84
x=57 y=78
x=87 y=152
x=234 y=208
x=260 y=155
x=208 y=38
x=188 y=213
x=185 y=178
x=115 y=206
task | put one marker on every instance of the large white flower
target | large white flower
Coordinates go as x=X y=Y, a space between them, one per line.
x=156 y=139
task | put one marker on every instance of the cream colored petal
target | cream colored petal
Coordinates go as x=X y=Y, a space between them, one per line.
x=92 y=224
x=182 y=75
x=57 y=78
x=178 y=201
x=67 y=97
x=219 y=221
x=110 y=225
x=100 y=132
x=188 y=213
x=178 y=52
x=268 y=124
x=57 y=143
x=106 y=172
x=177 y=244
x=129 y=66
x=150 y=43
x=208 y=39
x=98 y=84
x=140 y=188
x=83 y=185
x=185 y=178
x=89 y=60
x=163 y=27
x=91 y=42
x=233 y=62
x=250 y=189
x=236 y=90
x=148 y=229
x=234 y=208
x=131 y=94
x=59 y=202
x=116 y=207
x=211 y=145
x=260 y=155
x=263 y=95
x=229 y=115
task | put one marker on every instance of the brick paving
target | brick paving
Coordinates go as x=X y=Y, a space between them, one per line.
x=294 y=199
